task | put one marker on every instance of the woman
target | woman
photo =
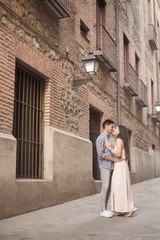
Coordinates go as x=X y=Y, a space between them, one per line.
x=121 y=193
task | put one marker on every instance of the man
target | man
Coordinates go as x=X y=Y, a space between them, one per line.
x=106 y=164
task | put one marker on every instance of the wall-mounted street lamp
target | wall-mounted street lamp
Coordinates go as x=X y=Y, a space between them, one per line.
x=157 y=106
x=156 y=116
x=91 y=65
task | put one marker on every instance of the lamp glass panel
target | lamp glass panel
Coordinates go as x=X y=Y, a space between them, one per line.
x=89 y=66
x=157 y=108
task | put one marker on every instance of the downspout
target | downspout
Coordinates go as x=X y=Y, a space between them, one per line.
x=157 y=65
x=118 y=65
x=157 y=72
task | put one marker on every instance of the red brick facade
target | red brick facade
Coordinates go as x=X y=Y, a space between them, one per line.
x=7 y=78
x=55 y=52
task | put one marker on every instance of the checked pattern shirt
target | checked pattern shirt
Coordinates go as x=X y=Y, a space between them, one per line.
x=102 y=151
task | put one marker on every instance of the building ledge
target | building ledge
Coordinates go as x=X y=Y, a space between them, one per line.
x=141 y=102
x=105 y=60
x=30 y=180
x=155 y=117
x=129 y=88
x=58 y=8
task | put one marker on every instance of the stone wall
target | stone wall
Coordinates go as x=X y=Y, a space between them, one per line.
x=67 y=175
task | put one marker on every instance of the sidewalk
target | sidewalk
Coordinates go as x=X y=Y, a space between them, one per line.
x=80 y=220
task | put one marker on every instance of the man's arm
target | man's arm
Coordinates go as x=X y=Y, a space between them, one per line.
x=113 y=159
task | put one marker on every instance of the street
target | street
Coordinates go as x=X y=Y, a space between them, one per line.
x=80 y=220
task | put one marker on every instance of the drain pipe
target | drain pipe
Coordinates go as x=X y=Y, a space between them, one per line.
x=157 y=64
x=157 y=73
x=118 y=66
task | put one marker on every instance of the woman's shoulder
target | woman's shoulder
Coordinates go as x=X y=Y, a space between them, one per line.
x=119 y=140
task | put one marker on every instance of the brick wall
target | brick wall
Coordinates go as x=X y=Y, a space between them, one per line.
x=67 y=34
x=7 y=76
x=55 y=53
x=57 y=116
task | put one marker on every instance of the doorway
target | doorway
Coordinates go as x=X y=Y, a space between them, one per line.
x=95 y=120
x=129 y=138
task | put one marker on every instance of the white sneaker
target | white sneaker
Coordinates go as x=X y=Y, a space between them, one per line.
x=111 y=212
x=105 y=214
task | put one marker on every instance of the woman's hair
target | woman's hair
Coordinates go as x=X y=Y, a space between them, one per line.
x=123 y=134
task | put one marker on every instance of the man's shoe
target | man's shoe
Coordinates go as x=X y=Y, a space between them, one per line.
x=111 y=212
x=105 y=214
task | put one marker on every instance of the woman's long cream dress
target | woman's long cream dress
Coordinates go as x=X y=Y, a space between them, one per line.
x=121 y=192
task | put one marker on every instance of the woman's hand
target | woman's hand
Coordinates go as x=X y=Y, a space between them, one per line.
x=108 y=145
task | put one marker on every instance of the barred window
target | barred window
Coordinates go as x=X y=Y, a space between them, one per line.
x=84 y=29
x=28 y=123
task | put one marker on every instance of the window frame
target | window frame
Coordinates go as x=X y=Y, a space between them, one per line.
x=28 y=124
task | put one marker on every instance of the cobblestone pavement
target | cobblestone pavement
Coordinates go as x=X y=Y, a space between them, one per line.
x=80 y=220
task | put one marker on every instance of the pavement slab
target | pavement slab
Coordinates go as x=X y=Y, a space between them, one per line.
x=80 y=220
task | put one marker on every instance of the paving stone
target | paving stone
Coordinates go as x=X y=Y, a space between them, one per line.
x=80 y=220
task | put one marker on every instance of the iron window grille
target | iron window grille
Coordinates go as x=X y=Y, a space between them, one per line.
x=84 y=29
x=28 y=123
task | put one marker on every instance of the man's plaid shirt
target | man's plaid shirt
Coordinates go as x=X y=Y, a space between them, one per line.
x=102 y=151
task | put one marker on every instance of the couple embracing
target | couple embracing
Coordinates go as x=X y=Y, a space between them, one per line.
x=115 y=176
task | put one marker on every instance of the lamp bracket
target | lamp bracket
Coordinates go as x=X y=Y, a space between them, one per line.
x=79 y=82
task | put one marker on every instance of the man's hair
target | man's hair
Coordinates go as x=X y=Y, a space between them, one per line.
x=107 y=122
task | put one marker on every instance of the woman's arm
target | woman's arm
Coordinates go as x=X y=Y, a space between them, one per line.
x=119 y=145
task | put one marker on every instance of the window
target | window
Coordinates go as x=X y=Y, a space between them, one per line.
x=126 y=48
x=84 y=29
x=28 y=123
x=149 y=12
x=129 y=137
x=158 y=39
x=137 y=64
x=101 y=24
x=101 y=12
x=152 y=96
x=126 y=57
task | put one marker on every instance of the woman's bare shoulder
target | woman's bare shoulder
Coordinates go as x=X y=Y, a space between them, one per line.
x=119 y=140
